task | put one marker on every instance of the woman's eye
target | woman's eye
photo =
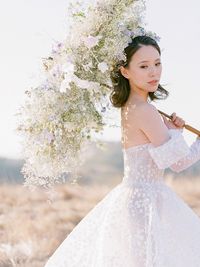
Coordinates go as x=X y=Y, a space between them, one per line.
x=159 y=63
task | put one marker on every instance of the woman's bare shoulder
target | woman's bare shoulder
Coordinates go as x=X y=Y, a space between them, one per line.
x=145 y=109
x=140 y=111
x=145 y=113
x=146 y=106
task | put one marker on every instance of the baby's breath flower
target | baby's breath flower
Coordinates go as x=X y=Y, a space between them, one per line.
x=59 y=117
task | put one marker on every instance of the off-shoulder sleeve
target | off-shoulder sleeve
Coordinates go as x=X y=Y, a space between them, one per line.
x=192 y=157
x=171 y=151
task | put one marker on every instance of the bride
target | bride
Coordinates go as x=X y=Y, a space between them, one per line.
x=141 y=222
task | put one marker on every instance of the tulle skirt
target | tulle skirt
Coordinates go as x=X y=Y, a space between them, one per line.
x=142 y=225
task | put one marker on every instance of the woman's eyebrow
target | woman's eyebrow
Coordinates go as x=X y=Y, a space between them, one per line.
x=147 y=60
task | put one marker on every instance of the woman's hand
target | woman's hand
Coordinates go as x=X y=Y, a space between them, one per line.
x=174 y=123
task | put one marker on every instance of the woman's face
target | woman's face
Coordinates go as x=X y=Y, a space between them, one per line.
x=140 y=73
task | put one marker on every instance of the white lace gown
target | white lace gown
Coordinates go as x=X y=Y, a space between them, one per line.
x=141 y=222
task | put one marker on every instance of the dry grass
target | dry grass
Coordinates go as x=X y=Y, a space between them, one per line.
x=31 y=226
x=188 y=189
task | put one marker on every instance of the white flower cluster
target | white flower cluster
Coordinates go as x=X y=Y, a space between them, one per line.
x=59 y=115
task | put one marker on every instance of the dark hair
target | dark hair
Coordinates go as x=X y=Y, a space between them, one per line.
x=121 y=87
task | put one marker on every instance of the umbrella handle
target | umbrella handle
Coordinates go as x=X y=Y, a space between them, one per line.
x=187 y=126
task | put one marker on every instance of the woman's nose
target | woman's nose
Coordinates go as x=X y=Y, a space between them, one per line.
x=152 y=70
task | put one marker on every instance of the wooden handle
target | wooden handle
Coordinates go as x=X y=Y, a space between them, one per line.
x=186 y=126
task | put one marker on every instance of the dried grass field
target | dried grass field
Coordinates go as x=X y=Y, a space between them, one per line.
x=31 y=227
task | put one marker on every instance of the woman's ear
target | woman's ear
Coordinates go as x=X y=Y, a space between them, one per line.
x=124 y=72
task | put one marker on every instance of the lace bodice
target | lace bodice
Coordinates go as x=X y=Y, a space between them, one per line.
x=146 y=163
x=139 y=166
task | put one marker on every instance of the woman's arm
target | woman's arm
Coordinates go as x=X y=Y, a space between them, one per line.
x=168 y=147
x=192 y=157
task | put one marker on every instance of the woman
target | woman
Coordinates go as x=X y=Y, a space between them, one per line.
x=141 y=222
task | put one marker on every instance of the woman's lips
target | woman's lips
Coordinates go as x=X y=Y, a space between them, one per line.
x=153 y=83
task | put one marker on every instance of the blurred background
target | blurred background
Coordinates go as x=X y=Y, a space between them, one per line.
x=28 y=30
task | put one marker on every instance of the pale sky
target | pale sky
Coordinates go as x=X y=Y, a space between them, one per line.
x=29 y=28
